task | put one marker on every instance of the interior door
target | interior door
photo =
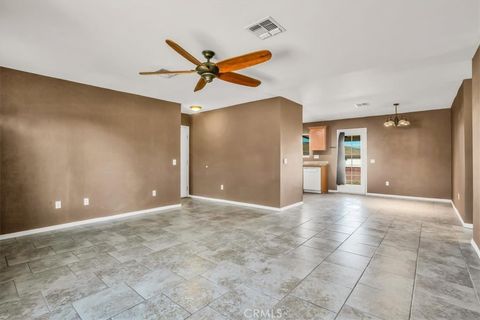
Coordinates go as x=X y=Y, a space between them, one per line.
x=184 y=163
x=355 y=148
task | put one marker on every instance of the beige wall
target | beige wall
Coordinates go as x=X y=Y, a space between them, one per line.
x=291 y=149
x=66 y=141
x=415 y=160
x=462 y=151
x=476 y=146
x=241 y=147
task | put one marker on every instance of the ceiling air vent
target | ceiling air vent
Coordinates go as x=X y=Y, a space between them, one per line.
x=361 y=105
x=266 y=28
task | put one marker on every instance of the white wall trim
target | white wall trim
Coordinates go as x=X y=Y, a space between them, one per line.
x=246 y=204
x=465 y=225
x=475 y=247
x=296 y=204
x=311 y=191
x=333 y=191
x=88 y=221
x=384 y=195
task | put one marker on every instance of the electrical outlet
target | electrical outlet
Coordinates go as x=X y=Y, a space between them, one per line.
x=221 y=187
x=285 y=160
x=58 y=204
x=206 y=166
x=86 y=201
x=154 y=193
x=387 y=183
x=174 y=162
x=372 y=161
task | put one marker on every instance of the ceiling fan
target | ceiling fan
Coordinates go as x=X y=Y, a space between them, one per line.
x=223 y=69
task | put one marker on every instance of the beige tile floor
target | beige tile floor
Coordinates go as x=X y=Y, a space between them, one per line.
x=335 y=257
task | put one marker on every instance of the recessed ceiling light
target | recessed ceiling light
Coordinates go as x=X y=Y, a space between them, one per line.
x=196 y=108
x=361 y=105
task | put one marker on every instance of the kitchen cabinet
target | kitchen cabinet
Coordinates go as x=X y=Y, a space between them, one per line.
x=318 y=138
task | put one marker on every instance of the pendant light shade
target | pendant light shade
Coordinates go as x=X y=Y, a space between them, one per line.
x=403 y=123
x=389 y=123
x=396 y=121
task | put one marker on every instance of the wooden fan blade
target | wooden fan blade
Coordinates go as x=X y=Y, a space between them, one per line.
x=239 y=79
x=183 y=52
x=245 y=61
x=143 y=73
x=200 y=85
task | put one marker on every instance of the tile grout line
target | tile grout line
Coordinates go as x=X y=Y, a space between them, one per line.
x=361 y=275
x=124 y=282
x=336 y=248
x=475 y=289
x=190 y=313
x=415 y=276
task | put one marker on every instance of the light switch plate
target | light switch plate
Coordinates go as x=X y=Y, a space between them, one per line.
x=387 y=183
x=86 y=201
x=285 y=160
x=221 y=187
x=174 y=162
x=372 y=160
x=154 y=193
x=58 y=204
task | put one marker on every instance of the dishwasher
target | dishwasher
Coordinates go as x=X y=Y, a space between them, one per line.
x=312 y=177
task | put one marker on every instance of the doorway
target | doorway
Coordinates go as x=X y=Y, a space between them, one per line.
x=184 y=162
x=352 y=160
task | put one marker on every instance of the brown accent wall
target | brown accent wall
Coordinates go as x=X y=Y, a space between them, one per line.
x=476 y=146
x=241 y=147
x=462 y=180
x=416 y=160
x=186 y=119
x=66 y=141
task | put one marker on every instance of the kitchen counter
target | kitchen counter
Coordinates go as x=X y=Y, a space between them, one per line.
x=312 y=163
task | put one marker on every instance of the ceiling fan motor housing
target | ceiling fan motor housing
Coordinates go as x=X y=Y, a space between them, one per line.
x=207 y=70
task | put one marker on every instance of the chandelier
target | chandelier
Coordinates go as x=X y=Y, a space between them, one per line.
x=395 y=120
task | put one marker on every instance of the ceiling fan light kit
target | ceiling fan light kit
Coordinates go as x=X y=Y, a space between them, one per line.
x=209 y=70
x=396 y=120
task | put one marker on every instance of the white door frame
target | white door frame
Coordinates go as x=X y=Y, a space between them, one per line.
x=361 y=189
x=184 y=161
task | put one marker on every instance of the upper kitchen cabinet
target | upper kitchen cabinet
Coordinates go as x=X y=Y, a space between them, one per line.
x=318 y=138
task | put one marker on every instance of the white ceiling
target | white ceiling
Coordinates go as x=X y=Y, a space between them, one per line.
x=334 y=54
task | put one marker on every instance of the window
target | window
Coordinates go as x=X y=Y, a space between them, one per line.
x=353 y=161
x=306 y=144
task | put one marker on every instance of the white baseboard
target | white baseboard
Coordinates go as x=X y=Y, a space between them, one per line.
x=383 y=195
x=88 y=221
x=246 y=204
x=311 y=191
x=291 y=206
x=475 y=247
x=465 y=225
x=332 y=191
